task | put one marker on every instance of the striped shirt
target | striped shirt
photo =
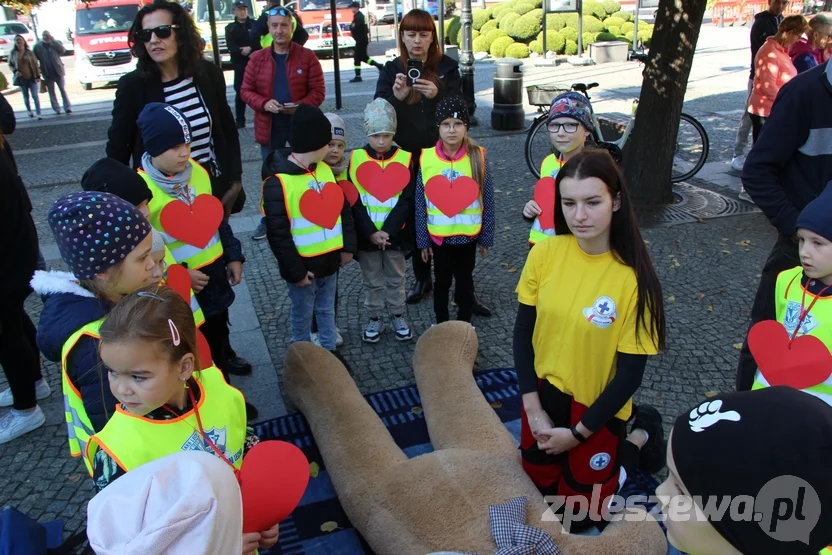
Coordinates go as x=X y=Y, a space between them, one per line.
x=183 y=94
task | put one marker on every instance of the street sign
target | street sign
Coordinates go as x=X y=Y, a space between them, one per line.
x=561 y=6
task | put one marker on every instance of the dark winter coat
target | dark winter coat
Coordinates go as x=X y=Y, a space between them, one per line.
x=397 y=223
x=135 y=92
x=19 y=247
x=236 y=37
x=416 y=126
x=359 y=30
x=67 y=308
x=293 y=267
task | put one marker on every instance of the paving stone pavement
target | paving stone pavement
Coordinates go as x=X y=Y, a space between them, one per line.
x=709 y=273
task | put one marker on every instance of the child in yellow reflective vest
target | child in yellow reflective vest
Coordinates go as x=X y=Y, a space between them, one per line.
x=165 y=405
x=803 y=297
x=569 y=125
x=193 y=223
x=454 y=208
x=383 y=178
x=748 y=475
x=309 y=225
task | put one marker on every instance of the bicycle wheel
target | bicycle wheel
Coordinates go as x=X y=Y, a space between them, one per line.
x=538 y=145
x=692 y=146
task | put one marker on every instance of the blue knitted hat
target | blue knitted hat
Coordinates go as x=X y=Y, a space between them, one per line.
x=816 y=215
x=163 y=127
x=95 y=231
x=572 y=105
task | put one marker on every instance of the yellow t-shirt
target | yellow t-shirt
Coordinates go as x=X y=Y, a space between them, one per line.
x=586 y=313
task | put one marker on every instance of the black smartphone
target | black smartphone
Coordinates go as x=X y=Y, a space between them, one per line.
x=414 y=71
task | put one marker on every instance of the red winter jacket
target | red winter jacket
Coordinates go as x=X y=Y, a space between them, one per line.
x=306 y=84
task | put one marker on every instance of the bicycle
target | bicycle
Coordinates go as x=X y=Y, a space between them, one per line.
x=692 y=143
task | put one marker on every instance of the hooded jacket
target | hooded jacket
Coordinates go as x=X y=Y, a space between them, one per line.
x=791 y=162
x=804 y=56
x=67 y=308
x=293 y=266
x=416 y=128
x=765 y=25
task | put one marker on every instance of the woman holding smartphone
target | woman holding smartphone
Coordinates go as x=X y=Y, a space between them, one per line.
x=415 y=106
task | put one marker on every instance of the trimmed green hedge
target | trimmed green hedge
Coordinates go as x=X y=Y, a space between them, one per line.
x=613 y=30
x=517 y=50
x=537 y=13
x=571 y=48
x=481 y=44
x=555 y=22
x=525 y=28
x=507 y=21
x=569 y=33
x=495 y=34
x=498 y=47
x=592 y=24
x=480 y=18
x=490 y=26
x=536 y=46
x=498 y=9
x=627 y=26
x=594 y=8
x=453 y=30
x=523 y=8
x=614 y=22
x=474 y=34
x=554 y=41
x=611 y=6
x=603 y=37
x=626 y=16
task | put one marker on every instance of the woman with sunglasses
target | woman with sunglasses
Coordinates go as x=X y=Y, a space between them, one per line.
x=171 y=69
x=26 y=72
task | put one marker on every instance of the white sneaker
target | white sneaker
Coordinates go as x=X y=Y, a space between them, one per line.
x=338 y=339
x=401 y=328
x=15 y=424
x=745 y=196
x=41 y=390
x=737 y=162
x=373 y=331
x=315 y=339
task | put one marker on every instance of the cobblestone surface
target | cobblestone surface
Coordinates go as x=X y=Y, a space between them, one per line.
x=708 y=270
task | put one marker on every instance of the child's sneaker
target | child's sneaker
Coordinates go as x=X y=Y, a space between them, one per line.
x=653 y=455
x=339 y=341
x=373 y=332
x=42 y=391
x=315 y=338
x=15 y=424
x=401 y=328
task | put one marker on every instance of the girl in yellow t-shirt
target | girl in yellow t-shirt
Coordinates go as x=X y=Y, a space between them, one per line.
x=590 y=314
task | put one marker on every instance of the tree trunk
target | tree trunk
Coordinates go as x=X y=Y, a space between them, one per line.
x=648 y=155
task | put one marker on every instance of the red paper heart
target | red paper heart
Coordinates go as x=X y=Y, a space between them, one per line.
x=350 y=192
x=273 y=478
x=323 y=208
x=384 y=183
x=204 y=350
x=451 y=198
x=194 y=224
x=179 y=280
x=544 y=196
x=801 y=363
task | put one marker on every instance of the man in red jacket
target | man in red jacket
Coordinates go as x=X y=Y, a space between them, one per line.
x=276 y=81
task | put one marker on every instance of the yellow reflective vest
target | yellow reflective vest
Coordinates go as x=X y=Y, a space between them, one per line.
x=377 y=210
x=788 y=297
x=192 y=256
x=548 y=168
x=132 y=441
x=78 y=424
x=310 y=239
x=469 y=221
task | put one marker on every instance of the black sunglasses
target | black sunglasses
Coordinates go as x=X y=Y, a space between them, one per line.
x=162 y=31
x=282 y=12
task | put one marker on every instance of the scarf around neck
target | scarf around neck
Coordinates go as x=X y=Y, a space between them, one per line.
x=176 y=185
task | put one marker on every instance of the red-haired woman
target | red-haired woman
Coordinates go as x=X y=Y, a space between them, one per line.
x=416 y=107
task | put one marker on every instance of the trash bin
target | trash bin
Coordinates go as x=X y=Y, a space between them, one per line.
x=508 y=113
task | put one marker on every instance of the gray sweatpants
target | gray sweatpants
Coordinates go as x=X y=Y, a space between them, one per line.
x=744 y=130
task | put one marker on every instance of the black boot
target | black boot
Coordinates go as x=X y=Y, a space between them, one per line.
x=480 y=309
x=251 y=412
x=420 y=290
x=357 y=78
x=238 y=366
x=653 y=455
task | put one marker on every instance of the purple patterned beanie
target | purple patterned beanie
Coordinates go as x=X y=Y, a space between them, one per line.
x=95 y=231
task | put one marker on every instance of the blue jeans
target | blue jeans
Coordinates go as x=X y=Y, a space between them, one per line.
x=27 y=87
x=318 y=299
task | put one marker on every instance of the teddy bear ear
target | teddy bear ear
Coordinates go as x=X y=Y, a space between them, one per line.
x=273 y=479
x=799 y=363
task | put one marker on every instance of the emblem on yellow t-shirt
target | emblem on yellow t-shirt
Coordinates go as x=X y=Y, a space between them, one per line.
x=602 y=313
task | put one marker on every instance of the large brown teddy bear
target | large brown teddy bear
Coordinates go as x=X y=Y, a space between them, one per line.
x=437 y=501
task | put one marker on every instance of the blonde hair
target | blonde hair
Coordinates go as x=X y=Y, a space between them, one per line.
x=477 y=156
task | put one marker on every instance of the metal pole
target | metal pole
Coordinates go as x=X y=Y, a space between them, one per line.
x=336 y=30
x=215 y=45
x=545 y=12
x=466 y=60
x=441 y=12
x=580 y=27
x=635 y=25
x=396 y=22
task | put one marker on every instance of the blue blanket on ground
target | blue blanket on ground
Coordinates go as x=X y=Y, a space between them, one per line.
x=319 y=526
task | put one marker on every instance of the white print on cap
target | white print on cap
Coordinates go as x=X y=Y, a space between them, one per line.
x=185 y=130
x=707 y=414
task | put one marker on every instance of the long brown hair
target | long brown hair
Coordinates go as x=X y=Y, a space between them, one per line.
x=189 y=43
x=626 y=242
x=146 y=316
x=420 y=21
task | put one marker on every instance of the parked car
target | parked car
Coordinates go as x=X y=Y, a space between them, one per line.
x=320 y=40
x=382 y=13
x=8 y=30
